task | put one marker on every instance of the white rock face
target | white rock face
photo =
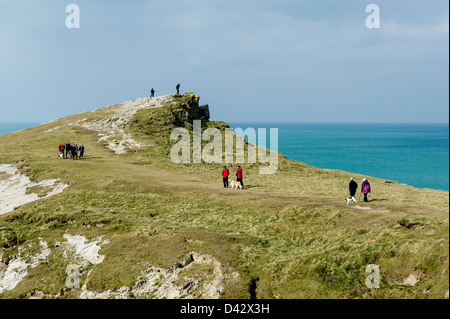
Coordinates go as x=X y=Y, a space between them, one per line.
x=199 y=276
x=412 y=280
x=83 y=250
x=13 y=188
x=111 y=128
x=76 y=247
x=18 y=267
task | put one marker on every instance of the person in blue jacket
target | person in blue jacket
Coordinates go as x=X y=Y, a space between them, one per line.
x=81 y=149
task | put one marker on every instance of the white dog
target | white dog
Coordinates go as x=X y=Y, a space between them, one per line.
x=235 y=184
x=351 y=200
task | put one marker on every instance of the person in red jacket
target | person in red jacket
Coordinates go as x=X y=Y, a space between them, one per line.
x=61 y=150
x=239 y=176
x=225 y=173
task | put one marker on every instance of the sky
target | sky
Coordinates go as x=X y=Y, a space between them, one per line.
x=251 y=61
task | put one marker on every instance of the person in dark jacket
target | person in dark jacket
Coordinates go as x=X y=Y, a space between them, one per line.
x=225 y=174
x=75 y=151
x=81 y=149
x=365 y=188
x=153 y=92
x=68 y=147
x=72 y=150
x=178 y=88
x=352 y=186
x=239 y=176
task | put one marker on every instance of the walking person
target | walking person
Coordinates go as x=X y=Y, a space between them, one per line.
x=68 y=146
x=225 y=174
x=352 y=186
x=365 y=188
x=81 y=151
x=178 y=88
x=239 y=176
x=153 y=92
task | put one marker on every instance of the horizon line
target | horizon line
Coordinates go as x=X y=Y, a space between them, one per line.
x=265 y=122
x=273 y=122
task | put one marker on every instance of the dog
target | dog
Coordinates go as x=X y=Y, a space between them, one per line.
x=61 y=155
x=351 y=200
x=235 y=184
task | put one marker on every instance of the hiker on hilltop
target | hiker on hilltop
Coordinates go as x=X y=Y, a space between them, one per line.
x=352 y=186
x=239 y=176
x=365 y=188
x=153 y=92
x=81 y=151
x=225 y=173
x=178 y=88
x=68 y=146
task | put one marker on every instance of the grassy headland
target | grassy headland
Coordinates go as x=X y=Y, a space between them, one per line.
x=287 y=235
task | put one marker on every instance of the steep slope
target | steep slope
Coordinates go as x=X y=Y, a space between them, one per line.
x=133 y=224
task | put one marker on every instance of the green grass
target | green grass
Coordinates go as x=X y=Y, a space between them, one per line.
x=291 y=233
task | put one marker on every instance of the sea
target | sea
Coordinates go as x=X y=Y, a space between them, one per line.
x=12 y=127
x=412 y=154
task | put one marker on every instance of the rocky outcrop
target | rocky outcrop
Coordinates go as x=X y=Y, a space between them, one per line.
x=198 y=276
x=112 y=128
x=189 y=108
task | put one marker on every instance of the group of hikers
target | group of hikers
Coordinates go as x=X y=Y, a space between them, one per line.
x=353 y=186
x=226 y=173
x=67 y=150
x=153 y=90
x=365 y=188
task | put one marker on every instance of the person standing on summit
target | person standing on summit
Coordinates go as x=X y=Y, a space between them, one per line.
x=178 y=88
x=152 y=92
x=239 y=176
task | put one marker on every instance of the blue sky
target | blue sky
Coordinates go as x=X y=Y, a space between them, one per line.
x=251 y=61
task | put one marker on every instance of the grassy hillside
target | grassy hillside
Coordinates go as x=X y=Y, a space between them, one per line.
x=287 y=235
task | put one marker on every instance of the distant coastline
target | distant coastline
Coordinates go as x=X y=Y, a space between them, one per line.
x=9 y=127
x=415 y=154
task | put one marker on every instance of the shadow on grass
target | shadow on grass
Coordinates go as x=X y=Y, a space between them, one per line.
x=91 y=157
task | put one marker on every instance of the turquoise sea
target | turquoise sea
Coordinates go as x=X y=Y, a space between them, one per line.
x=412 y=154
x=12 y=127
